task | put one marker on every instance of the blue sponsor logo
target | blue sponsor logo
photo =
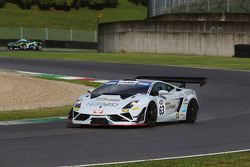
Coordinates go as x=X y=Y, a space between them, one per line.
x=184 y=109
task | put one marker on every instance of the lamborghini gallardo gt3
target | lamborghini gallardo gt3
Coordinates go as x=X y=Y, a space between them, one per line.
x=143 y=101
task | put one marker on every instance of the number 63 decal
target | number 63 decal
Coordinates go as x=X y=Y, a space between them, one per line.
x=161 y=110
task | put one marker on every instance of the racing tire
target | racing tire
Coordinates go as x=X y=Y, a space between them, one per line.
x=70 y=117
x=151 y=115
x=38 y=48
x=192 y=111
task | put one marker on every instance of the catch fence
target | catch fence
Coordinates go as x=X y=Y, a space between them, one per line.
x=160 y=7
x=47 y=34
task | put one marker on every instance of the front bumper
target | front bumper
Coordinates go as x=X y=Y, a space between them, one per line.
x=124 y=119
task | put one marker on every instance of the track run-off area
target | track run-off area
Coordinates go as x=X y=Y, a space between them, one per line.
x=223 y=122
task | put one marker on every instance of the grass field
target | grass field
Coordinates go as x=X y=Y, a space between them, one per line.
x=82 y=19
x=159 y=59
x=36 y=113
x=224 y=160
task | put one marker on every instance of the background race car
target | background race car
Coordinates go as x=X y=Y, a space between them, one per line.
x=24 y=44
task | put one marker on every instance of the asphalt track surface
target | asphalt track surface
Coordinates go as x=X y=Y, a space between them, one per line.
x=223 y=123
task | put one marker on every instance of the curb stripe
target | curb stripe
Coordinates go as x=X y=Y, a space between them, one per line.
x=63 y=77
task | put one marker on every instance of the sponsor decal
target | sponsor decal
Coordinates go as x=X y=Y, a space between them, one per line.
x=106 y=99
x=161 y=102
x=177 y=115
x=127 y=82
x=102 y=104
x=184 y=109
x=170 y=106
x=189 y=92
x=112 y=83
x=144 y=83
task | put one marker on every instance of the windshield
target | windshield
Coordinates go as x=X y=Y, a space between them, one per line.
x=21 y=41
x=123 y=88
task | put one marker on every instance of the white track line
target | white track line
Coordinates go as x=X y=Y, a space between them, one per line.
x=160 y=159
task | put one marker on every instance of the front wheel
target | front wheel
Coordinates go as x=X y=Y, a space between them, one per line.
x=192 y=111
x=151 y=115
x=70 y=117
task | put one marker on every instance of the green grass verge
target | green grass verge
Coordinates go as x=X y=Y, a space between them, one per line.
x=82 y=19
x=36 y=113
x=159 y=59
x=224 y=160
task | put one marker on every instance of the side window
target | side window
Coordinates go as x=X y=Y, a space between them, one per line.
x=157 y=87
x=169 y=87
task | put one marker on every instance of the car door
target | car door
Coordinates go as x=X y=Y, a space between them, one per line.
x=160 y=100
x=169 y=103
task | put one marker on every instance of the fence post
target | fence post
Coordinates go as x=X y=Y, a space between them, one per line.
x=208 y=5
x=46 y=34
x=21 y=31
x=169 y=6
x=71 y=34
x=187 y=6
x=154 y=8
x=95 y=36
x=228 y=6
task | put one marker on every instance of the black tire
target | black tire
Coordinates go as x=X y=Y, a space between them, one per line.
x=192 y=111
x=70 y=117
x=39 y=48
x=151 y=115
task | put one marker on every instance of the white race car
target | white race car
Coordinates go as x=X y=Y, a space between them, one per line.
x=143 y=101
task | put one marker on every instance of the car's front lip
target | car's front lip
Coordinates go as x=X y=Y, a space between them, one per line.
x=108 y=122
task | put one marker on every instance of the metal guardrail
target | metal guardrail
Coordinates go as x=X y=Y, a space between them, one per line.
x=47 y=34
x=159 y=7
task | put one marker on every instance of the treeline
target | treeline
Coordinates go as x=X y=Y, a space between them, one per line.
x=63 y=4
x=140 y=2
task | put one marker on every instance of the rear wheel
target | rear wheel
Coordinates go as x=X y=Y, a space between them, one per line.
x=151 y=115
x=192 y=111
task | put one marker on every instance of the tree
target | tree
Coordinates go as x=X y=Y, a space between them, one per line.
x=140 y=2
x=58 y=4
x=112 y=3
x=26 y=4
x=2 y=2
x=45 y=4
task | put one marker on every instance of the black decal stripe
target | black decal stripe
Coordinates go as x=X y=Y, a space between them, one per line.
x=179 y=107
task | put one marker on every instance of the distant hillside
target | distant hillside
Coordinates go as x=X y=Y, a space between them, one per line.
x=83 y=19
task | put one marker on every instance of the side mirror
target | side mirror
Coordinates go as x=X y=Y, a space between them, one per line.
x=91 y=90
x=163 y=93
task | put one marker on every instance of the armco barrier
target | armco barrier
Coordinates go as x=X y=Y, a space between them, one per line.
x=242 y=51
x=58 y=44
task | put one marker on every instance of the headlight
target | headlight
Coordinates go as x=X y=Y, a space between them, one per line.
x=77 y=105
x=129 y=106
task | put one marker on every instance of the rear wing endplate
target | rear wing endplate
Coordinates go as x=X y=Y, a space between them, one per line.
x=182 y=80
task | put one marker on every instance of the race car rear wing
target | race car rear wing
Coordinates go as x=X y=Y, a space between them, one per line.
x=182 y=80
